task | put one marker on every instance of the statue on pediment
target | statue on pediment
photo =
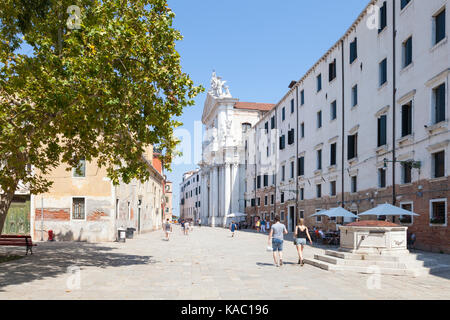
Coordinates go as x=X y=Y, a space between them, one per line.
x=218 y=86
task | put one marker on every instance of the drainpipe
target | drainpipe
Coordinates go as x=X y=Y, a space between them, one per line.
x=394 y=92
x=256 y=173
x=277 y=139
x=343 y=127
x=296 y=161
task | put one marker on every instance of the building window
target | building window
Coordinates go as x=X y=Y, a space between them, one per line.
x=319 y=159
x=271 y=216
x=333 y=111
x=258 y=182
x=301 y=214
x=292 y=169
x=79 y=209
x=383 y=17
x=333 y=148
x=302 y=130
x=283 y=114
x=381 y=178
x=439 y=103
x=266 y=180
x=439 y=164
x=406 y=219
x=283 y=171
x=272 y=122
x=438 y=211
x=332 y=188
x=302 y=194
x=291 y=136
x=318 y=218
x=292 y=106
x=383 y=72
x=282 y=216
x=353 y=50
x=407 y=52
x=355 y=95
x=318 y=190
x=253 y=202
x=439 y=26
x=352 y=145
x=404 y=3
x=282 y=142
x=382 y=131
x=246 y=127
x=406 y=173
x=80 y=171
x=301 y=166
x=332 y=70
x=354 y=181
x=302 y=97
x=319 y=119
x=319 y=82
x=265 y=200
x=407 y=119
x=259 y=202
x=272 y=199
x=282 y=197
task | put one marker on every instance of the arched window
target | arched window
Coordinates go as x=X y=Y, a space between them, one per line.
x=246 y=126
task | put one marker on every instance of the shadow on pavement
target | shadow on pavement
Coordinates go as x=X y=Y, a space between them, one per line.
x=53 y=259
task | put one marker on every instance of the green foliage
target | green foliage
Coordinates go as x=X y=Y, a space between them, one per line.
x=102 y=92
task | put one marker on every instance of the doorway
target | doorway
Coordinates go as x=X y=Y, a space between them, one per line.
x=291 y=219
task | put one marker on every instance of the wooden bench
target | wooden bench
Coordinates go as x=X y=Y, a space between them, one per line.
x=17 y=240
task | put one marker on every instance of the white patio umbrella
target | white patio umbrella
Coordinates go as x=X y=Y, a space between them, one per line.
x=387 y=210
x=320 y=213
x=236 y=215
x=336 y=213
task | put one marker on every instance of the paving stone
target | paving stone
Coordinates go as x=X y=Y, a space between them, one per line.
x=207 y=264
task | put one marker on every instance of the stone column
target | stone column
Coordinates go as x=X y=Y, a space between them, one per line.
x=235 y=187
x=215 y=195
x=221 y=186
x=211 y=197
x=227 y=192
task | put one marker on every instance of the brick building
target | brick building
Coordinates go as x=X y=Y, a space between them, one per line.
x=367 y=124
x=86 y=206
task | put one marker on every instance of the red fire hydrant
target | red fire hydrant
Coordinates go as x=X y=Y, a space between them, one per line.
x=50 y=235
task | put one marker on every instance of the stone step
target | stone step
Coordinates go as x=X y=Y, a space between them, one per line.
x=414 y=272
x=402 y=264
x=353 y=256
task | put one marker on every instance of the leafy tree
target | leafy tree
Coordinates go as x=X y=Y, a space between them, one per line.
x=103 y=91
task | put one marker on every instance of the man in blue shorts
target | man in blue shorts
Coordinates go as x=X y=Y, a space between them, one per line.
x=233 y=228
x=277 y=232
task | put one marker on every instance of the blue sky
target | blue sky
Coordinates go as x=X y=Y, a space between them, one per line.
x=258 y=47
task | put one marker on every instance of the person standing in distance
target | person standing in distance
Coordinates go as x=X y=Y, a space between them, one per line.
x=276 y=234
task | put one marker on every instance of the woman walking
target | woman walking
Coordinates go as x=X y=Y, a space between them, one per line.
x=168 y=229
x=301 y=233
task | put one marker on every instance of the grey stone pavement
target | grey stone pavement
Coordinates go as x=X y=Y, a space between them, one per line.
x=207 y=264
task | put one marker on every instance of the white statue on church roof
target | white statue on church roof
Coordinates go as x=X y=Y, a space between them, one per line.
x=217 y=87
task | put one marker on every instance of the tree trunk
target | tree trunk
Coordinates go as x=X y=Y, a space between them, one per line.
x=5 y=203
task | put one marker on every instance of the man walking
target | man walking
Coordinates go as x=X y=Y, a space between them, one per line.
x=233 y=228
x=276 y=234
x=186 y=227
x=168 y=229
x=263 y=225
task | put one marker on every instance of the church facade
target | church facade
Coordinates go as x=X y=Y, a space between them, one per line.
x=223 y=165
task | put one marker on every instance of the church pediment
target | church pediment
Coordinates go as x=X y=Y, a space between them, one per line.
x=218 y=94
